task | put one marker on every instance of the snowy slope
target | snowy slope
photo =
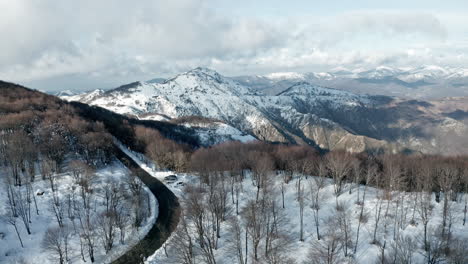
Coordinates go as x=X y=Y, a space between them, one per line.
x=301 y=113
x=203 y=92
x=399 y=223
x=83 y=97
x=367 y=252
x=10 y=248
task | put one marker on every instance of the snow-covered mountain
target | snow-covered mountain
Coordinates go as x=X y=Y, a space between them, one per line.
x=424 y=82
x=85 y=97
x=301 y=113
x=65 y=93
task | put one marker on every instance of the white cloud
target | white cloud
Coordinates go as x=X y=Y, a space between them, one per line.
x=111 y=41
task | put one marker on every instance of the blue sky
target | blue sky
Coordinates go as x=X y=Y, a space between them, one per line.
x=86 y=44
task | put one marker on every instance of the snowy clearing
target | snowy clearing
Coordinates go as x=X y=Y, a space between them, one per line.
x=33 y=251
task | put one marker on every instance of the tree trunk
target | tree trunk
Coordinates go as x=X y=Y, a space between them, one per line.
x=19 y=237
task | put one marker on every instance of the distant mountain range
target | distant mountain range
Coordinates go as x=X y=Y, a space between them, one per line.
x=425 y=82
x=299 y=112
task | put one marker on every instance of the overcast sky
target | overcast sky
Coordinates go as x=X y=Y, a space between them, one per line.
x=87 y=44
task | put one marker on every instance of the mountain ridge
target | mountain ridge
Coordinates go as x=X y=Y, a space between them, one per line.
x=424 y=82
x=303 y=113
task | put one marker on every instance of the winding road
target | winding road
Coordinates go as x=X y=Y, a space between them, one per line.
x=166 y=223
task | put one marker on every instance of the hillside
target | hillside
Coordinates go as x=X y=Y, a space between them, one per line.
x=386 y=209
x=64 y=197
x=303 y=113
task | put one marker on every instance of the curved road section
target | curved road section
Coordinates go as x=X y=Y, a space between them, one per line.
x=168 y=217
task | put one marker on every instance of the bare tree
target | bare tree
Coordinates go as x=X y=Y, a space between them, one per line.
x=343 y=218
x=254 y=216
x=262 y=166
x=458 y=251
x=106 y=226
x=87 y=223
x=197 y=211
x=401 y=251
x=277 y=239
x=424 y=199
x=122 y=218
x=378 y=208
x=56 y=241
x=11 y=220
x=235 y=240
x=339 y=165
x=316 y=185
x=238 y=187
x=371 y=172
x=327 y=250
x=22 y=207
x=301 y=201
x=182 y=244
x=78 y=169
x=446 y=175
x=356 y=175
x=465 y=195
x=434 y=246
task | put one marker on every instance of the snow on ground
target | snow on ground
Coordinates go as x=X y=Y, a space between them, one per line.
x=367 y=252
x=10 y=248
x=218 y=132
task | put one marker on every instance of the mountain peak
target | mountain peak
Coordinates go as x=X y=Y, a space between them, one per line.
x=65 y=93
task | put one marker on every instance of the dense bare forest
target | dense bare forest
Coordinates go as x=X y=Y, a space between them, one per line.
x=264 y=203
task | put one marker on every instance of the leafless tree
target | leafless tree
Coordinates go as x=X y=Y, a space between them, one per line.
x=340 y=166
x=11 y=220
x=277 y=239
x=195 y=201
x=11 y=194
x=106 y=227
x=122 y=219
x=356 y=173
x=140 y=211
x=18 y=149
x=371 y=172
x=378 y=208
x=301 y=199
x=22 y=206
x=255 y=225
x=56 y=241
x=424 y=199
x=327 y=250
x=57 y=206
x=465 y=195
x=48 y=171
x=263 y=165
x=238 y=187
x=315 y=186
x=182 y=244
x=343 y=219
x=446 y=175
x=87 y=222
x=235 y=240
x=434 y=246
x=458 y=250
x=78 y=168
x=30 y=194
x=401 y=251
